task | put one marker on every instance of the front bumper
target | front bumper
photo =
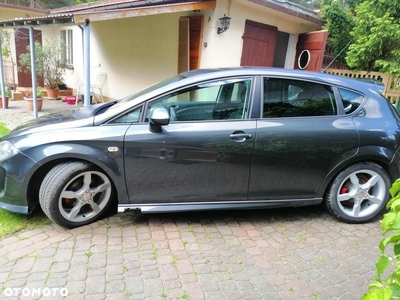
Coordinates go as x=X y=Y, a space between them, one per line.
x=15 y=173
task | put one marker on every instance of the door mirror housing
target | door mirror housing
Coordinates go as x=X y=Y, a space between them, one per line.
x=158 y=117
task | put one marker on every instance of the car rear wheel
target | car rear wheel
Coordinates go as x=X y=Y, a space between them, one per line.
x=75 y=193
x=359 y=193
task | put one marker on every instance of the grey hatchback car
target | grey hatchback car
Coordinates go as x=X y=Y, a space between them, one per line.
x=237 y=138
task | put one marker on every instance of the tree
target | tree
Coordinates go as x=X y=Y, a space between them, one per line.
x=376 y=37
x=339 y=23
x=311 y=4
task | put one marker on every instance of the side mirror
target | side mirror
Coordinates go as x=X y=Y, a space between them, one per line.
x=158 y=117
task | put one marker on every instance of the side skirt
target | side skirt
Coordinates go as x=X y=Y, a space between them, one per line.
x=198 y=206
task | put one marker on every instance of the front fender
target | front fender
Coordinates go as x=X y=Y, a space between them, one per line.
x=111 y=162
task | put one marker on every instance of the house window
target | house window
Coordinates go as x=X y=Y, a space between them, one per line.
x=66 y=37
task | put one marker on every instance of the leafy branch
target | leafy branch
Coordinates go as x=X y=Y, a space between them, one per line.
x=387 y=282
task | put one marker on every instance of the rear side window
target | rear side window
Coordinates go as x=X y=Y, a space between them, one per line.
x=297 y=98
x=351 y=100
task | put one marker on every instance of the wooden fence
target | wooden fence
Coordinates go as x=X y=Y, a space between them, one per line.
x=392 y=85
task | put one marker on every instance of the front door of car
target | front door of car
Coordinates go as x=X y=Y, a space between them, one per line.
x=204 y=154
x=300 y=138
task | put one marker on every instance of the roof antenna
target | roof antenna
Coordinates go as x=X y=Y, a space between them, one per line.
x=324 y=70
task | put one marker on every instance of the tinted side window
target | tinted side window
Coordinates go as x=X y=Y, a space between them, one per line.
x=217 y=100
x=296 y=98
x=351 y=100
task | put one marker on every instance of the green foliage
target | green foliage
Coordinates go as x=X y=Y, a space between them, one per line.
x=7 y=92
x=41 y=4
x=3 y=130
x=85 y=1
x=376 y=37
x=311 y=4
x=387 y=282
x=49 y=62
x=11 y=222
x=339 y=23
x=5 y=43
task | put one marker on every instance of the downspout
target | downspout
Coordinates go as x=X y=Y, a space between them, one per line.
x=86 y=62
x=3 y=89
x=33 y=71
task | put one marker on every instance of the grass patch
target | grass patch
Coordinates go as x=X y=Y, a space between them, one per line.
x=11 y=222
x=3 y=129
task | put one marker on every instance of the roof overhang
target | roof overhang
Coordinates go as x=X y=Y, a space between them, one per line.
x=291 y=9
x=38 y=21
x=144 y=11
x=78 y=14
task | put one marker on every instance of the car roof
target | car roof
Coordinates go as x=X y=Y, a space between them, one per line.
x=205 y=74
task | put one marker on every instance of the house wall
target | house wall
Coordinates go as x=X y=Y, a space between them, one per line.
x=225 y=49
x=134 y=53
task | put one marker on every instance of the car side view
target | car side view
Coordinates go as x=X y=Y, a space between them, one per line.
x=210 y=139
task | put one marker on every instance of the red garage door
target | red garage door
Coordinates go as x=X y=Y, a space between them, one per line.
x=259 y=41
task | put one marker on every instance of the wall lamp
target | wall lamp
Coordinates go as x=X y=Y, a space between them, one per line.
x=225 y=23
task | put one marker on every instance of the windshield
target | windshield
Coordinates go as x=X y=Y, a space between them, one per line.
x=147 y=90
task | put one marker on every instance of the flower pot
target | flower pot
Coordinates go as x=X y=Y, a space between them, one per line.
x=1 y=102
x=53 y=93
x=29 y=102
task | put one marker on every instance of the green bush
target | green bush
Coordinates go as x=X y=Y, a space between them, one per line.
x=387 y=281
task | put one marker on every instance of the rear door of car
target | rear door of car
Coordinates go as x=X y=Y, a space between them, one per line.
x=300 y=139
x=204 y=154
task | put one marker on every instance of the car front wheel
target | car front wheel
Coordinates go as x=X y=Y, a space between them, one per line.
x=75 y=193
x=359 y=193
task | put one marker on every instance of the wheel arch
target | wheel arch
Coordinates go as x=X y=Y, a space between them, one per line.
x=378 y=155
x=106 y=163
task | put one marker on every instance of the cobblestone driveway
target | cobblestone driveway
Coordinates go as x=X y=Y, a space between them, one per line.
x=256 y=254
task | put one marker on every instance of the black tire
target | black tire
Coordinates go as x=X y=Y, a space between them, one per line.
x=76 y=193
x=359 y=193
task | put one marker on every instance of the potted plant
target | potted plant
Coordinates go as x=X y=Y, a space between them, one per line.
x=8 y=96
x=28 y=96
x=50 y=64
x=62 y=86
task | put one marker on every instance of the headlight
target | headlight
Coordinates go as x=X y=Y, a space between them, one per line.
x=7 y=150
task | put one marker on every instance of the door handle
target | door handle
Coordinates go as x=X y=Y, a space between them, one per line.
x=240 y=137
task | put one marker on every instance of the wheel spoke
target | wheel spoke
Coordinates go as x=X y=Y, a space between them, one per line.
x=87 y=179
x=356 y=208
x=344 y=197
x=371 y=182
x=354 y=180
x=101 y=188
x=375 y=200
x=95 y=207
x=69 y=194
x=74 y=211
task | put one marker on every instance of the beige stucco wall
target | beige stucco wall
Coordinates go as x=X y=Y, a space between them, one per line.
x=225 y=50
x=134 y=53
